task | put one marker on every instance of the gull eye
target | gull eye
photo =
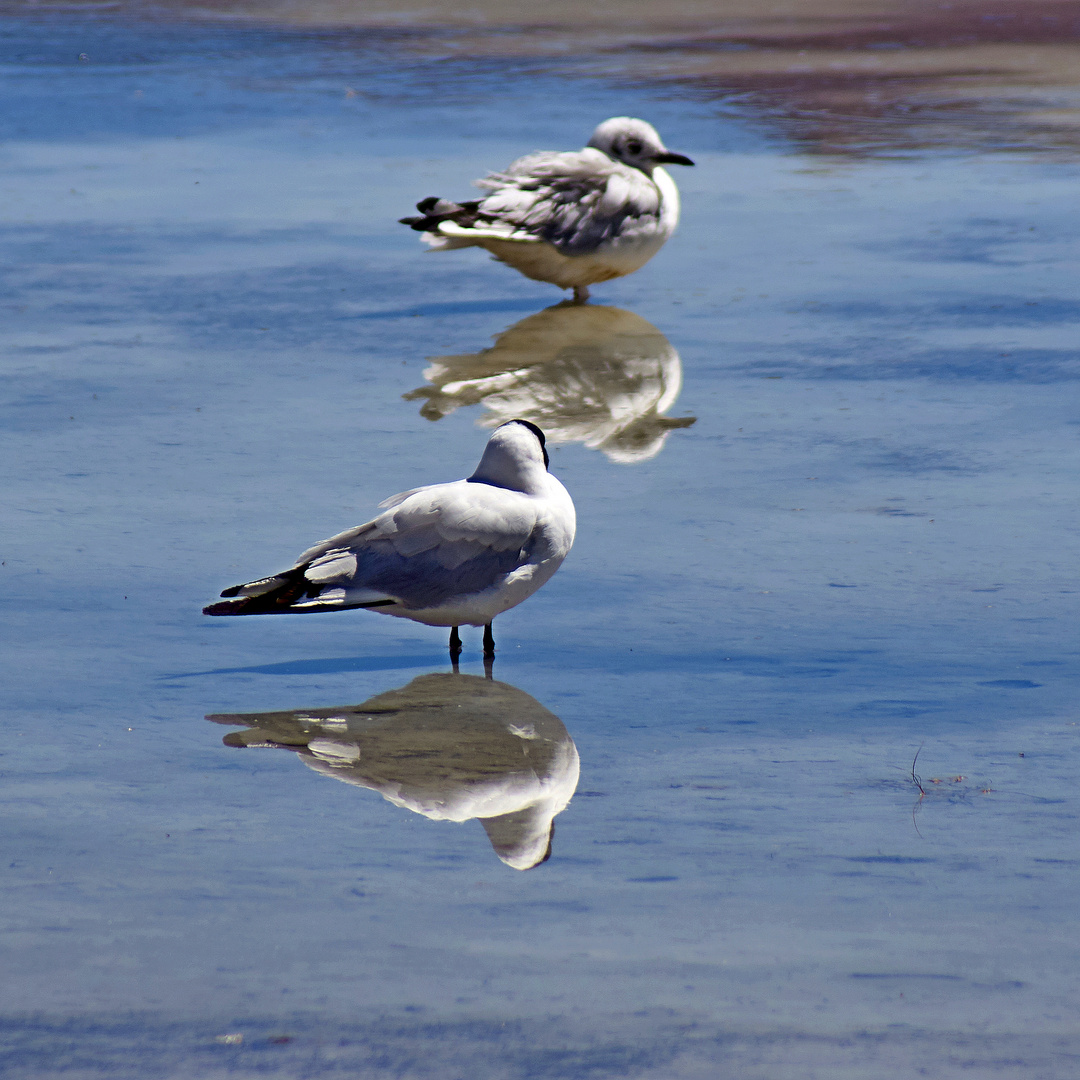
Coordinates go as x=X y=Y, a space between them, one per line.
x=633 y=147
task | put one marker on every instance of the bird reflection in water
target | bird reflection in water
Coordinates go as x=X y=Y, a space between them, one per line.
x=450 y=747
x=585 y=373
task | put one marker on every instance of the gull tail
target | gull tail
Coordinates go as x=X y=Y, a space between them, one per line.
x=267 y=596
x=434 y=211
x=292 y=592
x=447 y=225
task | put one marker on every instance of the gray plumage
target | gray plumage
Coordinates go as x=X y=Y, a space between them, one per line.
x=446 y=555
x=572 y=218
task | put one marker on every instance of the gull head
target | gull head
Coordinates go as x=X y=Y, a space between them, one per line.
x=515 y=458
x=634 y=143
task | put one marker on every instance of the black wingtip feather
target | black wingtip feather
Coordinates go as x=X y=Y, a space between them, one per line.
x=222 y=609
x=274 y=603
x=435 y=210
x=291 y=586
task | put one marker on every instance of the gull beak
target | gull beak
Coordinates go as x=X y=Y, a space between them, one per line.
x=667 y=158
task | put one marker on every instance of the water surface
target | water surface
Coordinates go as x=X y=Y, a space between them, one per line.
x=823 y=450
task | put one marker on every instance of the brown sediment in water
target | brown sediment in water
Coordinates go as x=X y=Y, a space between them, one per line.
x=836 y=76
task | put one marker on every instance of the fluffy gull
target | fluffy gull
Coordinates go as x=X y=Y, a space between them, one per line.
x=572 y=219
x=445 y=555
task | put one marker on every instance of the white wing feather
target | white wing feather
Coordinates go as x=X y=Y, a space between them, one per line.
x=454 y=524
x=575 y=201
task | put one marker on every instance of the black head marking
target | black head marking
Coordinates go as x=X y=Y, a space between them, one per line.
x=539 y=435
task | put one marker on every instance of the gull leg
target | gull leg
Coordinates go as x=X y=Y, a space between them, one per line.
x=489 y=651
x=455 y=647
x=581 y=294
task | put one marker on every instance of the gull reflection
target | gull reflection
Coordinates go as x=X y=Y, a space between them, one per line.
x=450 y=747
x=583 y=372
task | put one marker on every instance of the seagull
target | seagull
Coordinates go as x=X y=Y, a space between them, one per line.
x=572 y=219
x=445 y=555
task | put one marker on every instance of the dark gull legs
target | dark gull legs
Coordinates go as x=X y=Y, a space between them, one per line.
x=489 y=648
x=455 y=646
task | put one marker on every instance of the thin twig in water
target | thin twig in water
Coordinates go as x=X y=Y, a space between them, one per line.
x=915 y=778
x=917 y=781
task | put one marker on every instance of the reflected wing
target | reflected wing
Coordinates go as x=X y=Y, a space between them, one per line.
x=431 y=545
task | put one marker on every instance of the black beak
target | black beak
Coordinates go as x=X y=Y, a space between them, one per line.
x=672 y=159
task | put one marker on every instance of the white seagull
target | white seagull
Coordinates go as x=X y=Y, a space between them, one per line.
x=572 y=219
x=445 y=555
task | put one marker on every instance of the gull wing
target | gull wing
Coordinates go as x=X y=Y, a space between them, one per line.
x=437 y=543
x=576 y=201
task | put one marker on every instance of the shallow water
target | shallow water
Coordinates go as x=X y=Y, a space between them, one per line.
x=839 y=532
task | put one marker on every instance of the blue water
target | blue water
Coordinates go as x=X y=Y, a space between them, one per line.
x=857 y=542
